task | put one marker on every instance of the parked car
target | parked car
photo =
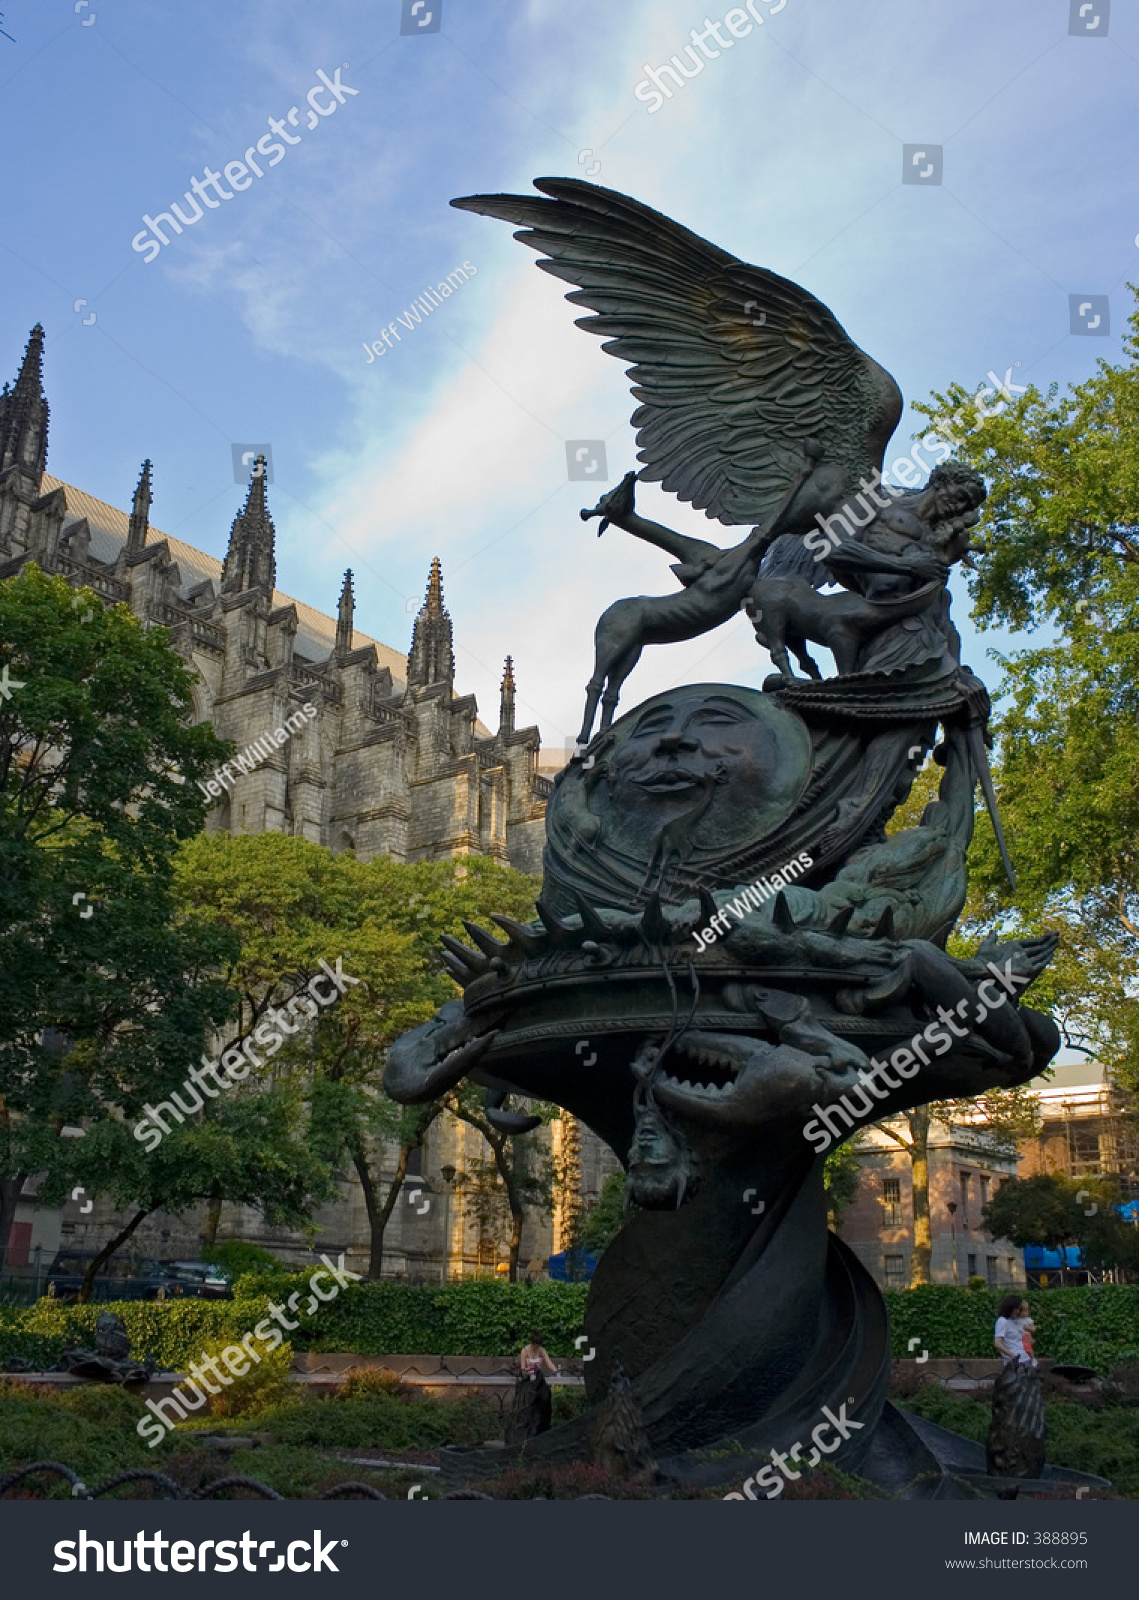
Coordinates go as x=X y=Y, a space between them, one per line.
x=200 y=1279
x=123 y=1276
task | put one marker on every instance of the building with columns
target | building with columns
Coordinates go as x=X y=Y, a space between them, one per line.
x=965 y=1168
x=394 y=762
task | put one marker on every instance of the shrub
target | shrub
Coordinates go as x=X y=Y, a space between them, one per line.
x=360 y=1382
x=91 y=1430
x=1096 y=1326
x=379 y=1421
x=237 y=1257
x=478 y=1317
x=1104 y=1442
x=265 y=1384
x=171 y=1331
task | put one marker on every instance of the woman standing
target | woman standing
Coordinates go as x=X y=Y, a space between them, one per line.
x=533 y=1402
x=1015 y=1444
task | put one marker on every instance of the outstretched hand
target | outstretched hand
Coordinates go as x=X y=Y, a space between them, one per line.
x=617 y=503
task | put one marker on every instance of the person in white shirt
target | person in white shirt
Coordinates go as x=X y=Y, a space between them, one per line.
x=1013 y=1323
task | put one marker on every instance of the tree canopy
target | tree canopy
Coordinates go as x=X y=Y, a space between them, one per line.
x=104 y=993
x=289 y=904
x=1057 y=553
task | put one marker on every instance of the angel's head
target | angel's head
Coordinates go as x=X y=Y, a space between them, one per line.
x=956 y=490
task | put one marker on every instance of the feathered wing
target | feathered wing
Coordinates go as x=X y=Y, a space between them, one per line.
x=734 y=366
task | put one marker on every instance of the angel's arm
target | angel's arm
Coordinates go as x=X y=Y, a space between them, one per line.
x=854 y=559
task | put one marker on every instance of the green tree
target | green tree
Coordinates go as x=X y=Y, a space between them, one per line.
x=606 y=1217
x=842 y=1174
x=250 y=1148
x=1059 y=548
x=1003 y=1115
x=103 y=992
x=1059 y=1212
x=517 y=1178
x=289 y=904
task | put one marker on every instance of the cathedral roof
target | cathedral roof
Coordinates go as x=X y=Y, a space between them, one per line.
x=316 y=632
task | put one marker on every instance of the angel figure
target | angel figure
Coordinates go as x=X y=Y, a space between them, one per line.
x=756 y=406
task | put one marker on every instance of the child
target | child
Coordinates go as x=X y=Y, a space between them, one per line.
x=1027 y=1328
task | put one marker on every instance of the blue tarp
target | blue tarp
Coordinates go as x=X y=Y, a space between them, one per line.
x=1037 y=1259
x=573 y=1266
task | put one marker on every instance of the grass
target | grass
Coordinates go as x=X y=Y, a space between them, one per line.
x=1103 y=1440
x=92 y=1431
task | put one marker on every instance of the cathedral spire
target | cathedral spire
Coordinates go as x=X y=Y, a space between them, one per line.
x=140 y=513
x=24 y=414
x=432 y=656
x=506 y=699
x=251 y=561
x=344 y=616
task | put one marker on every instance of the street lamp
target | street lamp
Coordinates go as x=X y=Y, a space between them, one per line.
x=447 y=1173
x=951 y=1207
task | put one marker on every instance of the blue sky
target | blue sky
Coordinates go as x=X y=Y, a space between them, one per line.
x=786 y=150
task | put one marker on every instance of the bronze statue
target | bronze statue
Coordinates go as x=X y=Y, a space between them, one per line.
x=755 y=966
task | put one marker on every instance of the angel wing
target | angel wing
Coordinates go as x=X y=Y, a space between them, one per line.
x=734 y=366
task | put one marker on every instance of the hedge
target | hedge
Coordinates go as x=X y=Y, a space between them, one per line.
x=172 y=1331
x=481 y=1317
x=1096 y=1326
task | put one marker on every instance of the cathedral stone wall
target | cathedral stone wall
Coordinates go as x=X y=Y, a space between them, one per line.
x=394 y=762
x=390 y=760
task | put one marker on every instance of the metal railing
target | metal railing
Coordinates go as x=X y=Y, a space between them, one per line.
x=23 y=1286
